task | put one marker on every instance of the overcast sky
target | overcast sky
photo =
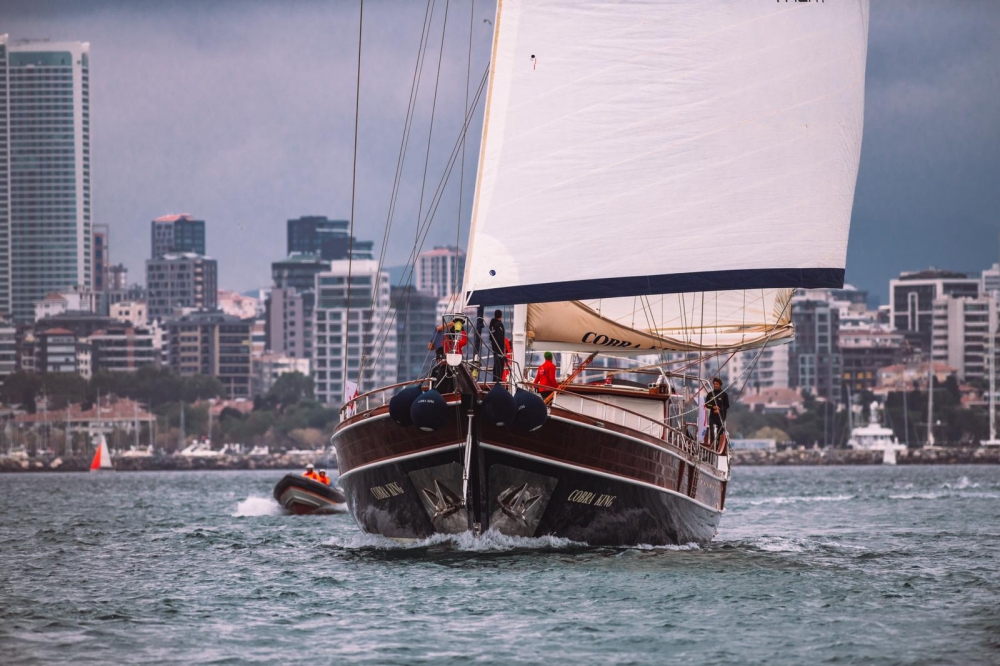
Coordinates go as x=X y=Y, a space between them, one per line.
x=242 y=114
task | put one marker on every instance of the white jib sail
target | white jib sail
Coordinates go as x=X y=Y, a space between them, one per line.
x=104 y=453
x=667 y=147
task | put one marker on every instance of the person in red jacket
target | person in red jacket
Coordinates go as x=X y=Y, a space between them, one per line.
x=455 y=338
x=545 y=378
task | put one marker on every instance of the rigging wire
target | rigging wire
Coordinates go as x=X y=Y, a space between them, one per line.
x=354 y=180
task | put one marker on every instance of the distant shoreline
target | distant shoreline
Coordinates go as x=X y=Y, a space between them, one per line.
x=818 y=457
x=791 y=457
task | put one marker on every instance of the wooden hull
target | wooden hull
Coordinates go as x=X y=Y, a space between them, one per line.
x=571 y=478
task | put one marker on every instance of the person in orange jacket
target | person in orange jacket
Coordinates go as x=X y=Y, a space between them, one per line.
x=323 y=478
x=310 y=472
x=545 y=378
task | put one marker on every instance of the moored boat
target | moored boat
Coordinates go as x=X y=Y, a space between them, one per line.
x=300 y=495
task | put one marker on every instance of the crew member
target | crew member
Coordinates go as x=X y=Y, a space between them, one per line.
x=311 y=472
x=456 y=337
x=545 y=378
x=498 y=336
x=323 y=478
x=437 y=342
x=717 y=404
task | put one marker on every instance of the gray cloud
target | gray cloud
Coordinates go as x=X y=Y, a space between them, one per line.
x=242 y=113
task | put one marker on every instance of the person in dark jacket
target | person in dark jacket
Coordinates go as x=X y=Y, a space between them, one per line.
x=498 y=336
x=717 y=404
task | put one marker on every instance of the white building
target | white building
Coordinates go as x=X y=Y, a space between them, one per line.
x=75 y=298
x=134 y=312
x=912 y=296
x=268 y=367
x=440 y=271
x=961 y=334
x=370 y=334
x=238 y=305
x=769 y=372
x=991 y=281
x=8 y=350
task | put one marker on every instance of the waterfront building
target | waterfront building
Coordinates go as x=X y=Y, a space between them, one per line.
x=84 y=359
x=83 y=324
x=45 y=215
x=258 y=337
x=212 y=343
x=761 y=369
x=961 y=330
x=268 y=367
x=866 y=349
x=122 y=348
x=289 y=308
x=911 y=301
x=910 y=377
x=110 y=415
x=129 y=312
x=117 y=277
x=326 y=239
x=814 y=360
x=340 y=343
x=75 y=299
x=180 y=280
x=440 y=271
x=991 y=281
x=416 y=319
x=176 y=234
x=238 y=305
x=56 y=351
x=8 y=350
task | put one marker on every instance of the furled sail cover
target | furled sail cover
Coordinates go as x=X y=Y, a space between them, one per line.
x=701 y=321
x=667 y=146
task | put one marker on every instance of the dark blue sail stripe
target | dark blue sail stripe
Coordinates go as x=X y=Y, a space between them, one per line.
x=670 y=283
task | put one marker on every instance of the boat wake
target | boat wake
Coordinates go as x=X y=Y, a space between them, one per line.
x=256 y=505
x=796 y=499
x=490 y=541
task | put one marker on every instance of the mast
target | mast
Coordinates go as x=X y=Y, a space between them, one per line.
x=993 y=374
x=930 y=400
x=182 y=435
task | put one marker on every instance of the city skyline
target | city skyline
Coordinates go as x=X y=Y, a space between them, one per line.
x=199 y=134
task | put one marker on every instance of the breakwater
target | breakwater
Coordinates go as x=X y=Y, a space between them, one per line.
x=811 y=457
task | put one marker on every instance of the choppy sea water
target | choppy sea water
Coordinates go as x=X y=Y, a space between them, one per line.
x=811 y=565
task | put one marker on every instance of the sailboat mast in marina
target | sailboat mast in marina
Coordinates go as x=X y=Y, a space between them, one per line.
x=655 y=180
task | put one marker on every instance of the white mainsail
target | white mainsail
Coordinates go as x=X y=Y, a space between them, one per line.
x=102 y=457
x=704 y=151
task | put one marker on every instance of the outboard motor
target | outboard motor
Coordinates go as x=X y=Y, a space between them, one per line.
x=399 y=405
x=531 y=411
x=429 y=411
x=499 y=407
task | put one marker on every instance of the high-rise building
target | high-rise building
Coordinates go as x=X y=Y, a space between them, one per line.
x=814 y=362
x=991 y=281
x=212 y=343
x=122 y=348
x=176 y=234
x=180 y=281
x=440 y=271
x=961 y=340
x=342 y=340
x=760 y=369
x=416 y=318
x=45 y=216
x=911 y=301
x=325 y=238
x=864 y=350
x=117 y=277
x=8 y=350
x=290 y=305
x=101 y=256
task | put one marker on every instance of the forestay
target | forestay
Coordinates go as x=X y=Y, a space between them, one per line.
x=666 y=148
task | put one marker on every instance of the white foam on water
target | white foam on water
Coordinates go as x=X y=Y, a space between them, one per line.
x=962 y=484
x=795 y=499
x=941 y=495
x=777 y=544
x=256 y=505
x=646 y=546
x=465 y=541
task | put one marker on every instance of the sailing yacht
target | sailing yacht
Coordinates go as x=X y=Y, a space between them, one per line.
x=102 y=457
x=655 y=180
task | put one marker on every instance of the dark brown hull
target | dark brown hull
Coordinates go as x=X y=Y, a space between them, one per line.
x=572 y=478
